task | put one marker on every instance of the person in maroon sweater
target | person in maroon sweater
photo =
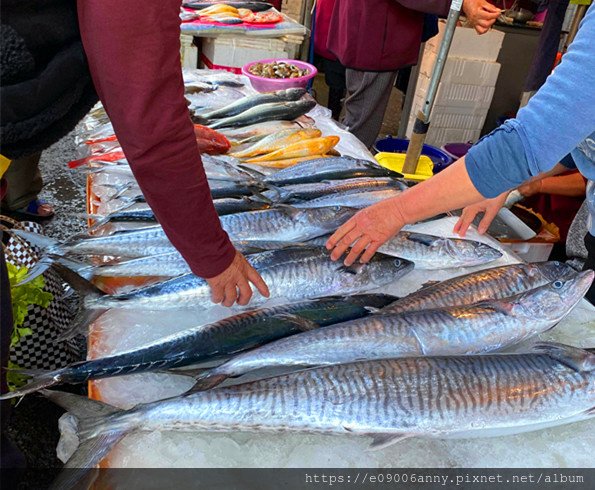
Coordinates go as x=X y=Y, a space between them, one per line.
x=133 y=50
x=373 y=40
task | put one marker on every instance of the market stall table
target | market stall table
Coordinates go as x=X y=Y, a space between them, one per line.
x=119 y=330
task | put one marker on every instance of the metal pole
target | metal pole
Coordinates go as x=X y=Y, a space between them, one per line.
x=422 y=122
x=581 y=10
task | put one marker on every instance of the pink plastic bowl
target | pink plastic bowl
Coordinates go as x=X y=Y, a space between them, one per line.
x=262 y=84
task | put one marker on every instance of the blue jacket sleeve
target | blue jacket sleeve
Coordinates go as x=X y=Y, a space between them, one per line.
x=554 y=122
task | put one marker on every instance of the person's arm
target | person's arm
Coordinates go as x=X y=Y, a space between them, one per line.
x=480 y=14
x=570 y=185
x=133 y=49
x=555 y=121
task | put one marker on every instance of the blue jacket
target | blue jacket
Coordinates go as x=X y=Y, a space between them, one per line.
x=558 y=120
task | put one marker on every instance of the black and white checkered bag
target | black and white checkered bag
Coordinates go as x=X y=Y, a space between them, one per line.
x=40 y=350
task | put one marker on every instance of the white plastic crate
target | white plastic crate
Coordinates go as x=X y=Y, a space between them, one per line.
x=468 y=44
x=456 y=95
x=453 y=117
x=231 y=53
x=462 y=71
x=439 y=136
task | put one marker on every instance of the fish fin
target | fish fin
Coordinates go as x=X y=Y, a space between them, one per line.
x=207 y=380
x=41 y=379
x=76 y=281
x=45 y=243
x=91 y=450
x=303 y=323
x=427 y=240
x=262 y=197
x=373 y=309
x=580 y=360
x=80 y=323
x=427 y=284
x=355 y=268
x=40 y=267
x=289 y=210
x=183 y=371
x=382 y=441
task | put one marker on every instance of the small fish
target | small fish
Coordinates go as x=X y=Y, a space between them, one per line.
x=242 y=105
x=277 y=141
x=333 y=168
x=309 y=147
x=286 y=162
x=283 y=111
x=256 y=132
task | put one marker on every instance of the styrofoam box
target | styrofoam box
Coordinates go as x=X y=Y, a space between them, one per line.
x=466 y=43
x=531 y=252
x=453 y=117
x=438 y=136
x=235 y=52
x=462 y=71
x=457 y=95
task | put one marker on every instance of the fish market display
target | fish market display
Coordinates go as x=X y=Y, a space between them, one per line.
x=455 y=330
x=276 y=111
x=216 y=340
x=495 y=283
x=255 y=132
x=389 y=400
x=253 y=6
x=293 y=274
x=242 y=105
x=332 y=168
x=357 y=200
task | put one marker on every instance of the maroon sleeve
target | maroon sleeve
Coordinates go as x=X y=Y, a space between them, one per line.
x=133 y=48
x=436 y=7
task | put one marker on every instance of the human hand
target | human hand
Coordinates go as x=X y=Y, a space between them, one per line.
x=232 y=285
x=489 y=207
x=531 y=188
x=366 y=231
x=481 y=14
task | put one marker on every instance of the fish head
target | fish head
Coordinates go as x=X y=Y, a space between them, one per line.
x=383 y=269
x=471 y=252
x=294 y=93
x=555 y=300
x=553 y=270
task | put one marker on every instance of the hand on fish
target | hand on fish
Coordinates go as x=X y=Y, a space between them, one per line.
x=233 y=284
x=480 y=14
x=489 y=208
x=366 y=231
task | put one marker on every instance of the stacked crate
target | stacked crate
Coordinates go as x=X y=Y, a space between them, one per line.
x=466 y=87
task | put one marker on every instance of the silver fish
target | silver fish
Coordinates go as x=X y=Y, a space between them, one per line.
x=315 y=190
x=494 y=283
x=294 y=274
x=358 y=200
x=433 y=252
x=256 y=132
x=332 y=168
x=455 y=330
x=388 y=400
x=206 y=343
x=242 y=105
x=276 y=111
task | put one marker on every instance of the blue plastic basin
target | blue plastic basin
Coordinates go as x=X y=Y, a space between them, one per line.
x=397 y=145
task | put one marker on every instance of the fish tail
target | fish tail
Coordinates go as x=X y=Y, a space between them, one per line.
x=86 y=289
x=207 y=380
x=87 y=426
x=40 y=380
x=47 y=244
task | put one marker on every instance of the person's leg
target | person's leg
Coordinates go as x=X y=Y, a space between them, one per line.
x=24 y=184
x=590 y=264
x=367 y=97
x=334 y=75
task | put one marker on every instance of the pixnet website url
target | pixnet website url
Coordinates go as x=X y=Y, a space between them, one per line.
x=444 y=480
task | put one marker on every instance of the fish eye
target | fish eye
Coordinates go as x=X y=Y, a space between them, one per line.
x=558 y=284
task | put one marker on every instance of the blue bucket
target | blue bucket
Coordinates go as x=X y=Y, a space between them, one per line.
x=440 y=158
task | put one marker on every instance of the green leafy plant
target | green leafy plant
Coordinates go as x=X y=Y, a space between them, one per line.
x=23 y=296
